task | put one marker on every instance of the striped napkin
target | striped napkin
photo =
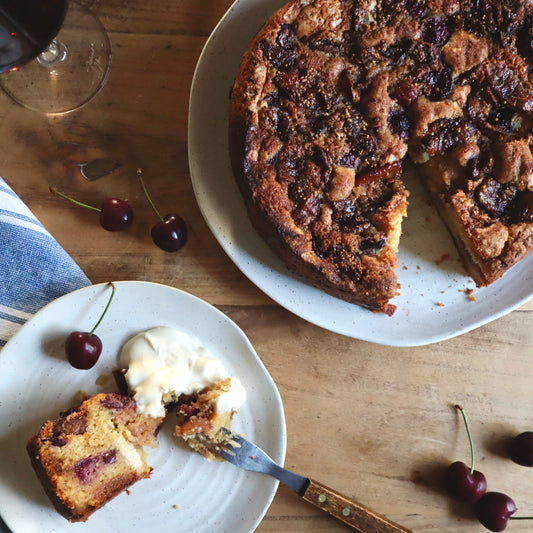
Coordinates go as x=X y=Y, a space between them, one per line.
x=34 y=269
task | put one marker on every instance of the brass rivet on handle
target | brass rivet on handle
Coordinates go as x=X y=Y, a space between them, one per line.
x=322 y=498
x=346 y=511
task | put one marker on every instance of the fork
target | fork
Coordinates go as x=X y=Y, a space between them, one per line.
x=246 y=455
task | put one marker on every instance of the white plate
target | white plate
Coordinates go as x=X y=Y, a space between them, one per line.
x=185 y=492
x=432 y=305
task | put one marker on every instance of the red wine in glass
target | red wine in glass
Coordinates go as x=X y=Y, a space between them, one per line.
x=54 y=54
x=27 y=27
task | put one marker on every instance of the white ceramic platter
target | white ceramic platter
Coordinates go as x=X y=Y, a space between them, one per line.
x=185 y=492
x=433 y=304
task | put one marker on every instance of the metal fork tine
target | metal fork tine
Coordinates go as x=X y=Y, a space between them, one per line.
x=244 y=454
x=238 y=450
x=236 y=438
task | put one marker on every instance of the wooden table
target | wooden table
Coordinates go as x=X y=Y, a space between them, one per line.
x=375 y=422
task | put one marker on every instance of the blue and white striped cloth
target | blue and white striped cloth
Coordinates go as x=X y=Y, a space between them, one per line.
x=34 y=269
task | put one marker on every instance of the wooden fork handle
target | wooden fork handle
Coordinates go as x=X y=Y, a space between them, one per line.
x=354 y=514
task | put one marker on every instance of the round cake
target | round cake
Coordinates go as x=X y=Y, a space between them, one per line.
x=334 y=97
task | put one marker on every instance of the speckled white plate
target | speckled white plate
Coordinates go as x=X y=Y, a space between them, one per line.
x=433 y=304
x=185 y=492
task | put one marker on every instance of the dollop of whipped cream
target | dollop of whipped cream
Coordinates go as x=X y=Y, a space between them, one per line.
x=163 y=363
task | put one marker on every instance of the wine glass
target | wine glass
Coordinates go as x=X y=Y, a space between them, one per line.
x=54 y=54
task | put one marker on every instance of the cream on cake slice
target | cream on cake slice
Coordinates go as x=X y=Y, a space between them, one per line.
x=167 y=369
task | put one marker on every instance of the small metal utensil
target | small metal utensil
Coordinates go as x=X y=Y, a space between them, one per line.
x=242 y=453
x=98 y=168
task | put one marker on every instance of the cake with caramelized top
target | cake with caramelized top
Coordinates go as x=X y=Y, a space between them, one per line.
x=89 y=455
x=334 y=96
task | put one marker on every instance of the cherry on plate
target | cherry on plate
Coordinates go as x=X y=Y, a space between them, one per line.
x=83 y=348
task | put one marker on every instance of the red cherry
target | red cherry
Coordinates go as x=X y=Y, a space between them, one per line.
x=83 y=349
x=521 y=449
x=170 y=233
x=115 y=214
x=494 y=509
x=463 y=484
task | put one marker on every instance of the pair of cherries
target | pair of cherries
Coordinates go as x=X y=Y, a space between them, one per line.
x=169 y=234
x=465 y=484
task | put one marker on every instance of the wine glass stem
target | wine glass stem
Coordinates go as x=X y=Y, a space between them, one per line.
x=55 y=53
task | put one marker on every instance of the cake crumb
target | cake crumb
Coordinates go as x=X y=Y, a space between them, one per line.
x=470 y=294
x=176 y=506
x=81 y=396
x=102 y=380
x=443 y=258
x=440 y=304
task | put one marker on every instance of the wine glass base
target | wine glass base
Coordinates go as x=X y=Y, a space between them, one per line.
x=64 y=79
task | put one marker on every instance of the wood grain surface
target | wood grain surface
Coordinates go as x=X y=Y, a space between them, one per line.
x=376 y=423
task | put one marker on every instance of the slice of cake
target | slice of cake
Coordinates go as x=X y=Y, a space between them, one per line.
x=204 y=414
x=89 y=455
x=166 y=369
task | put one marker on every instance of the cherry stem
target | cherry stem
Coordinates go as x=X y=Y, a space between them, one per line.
x=65 y=197
x=469 y=437
x=140 y=175
x=521 y=518
x=106 y=308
